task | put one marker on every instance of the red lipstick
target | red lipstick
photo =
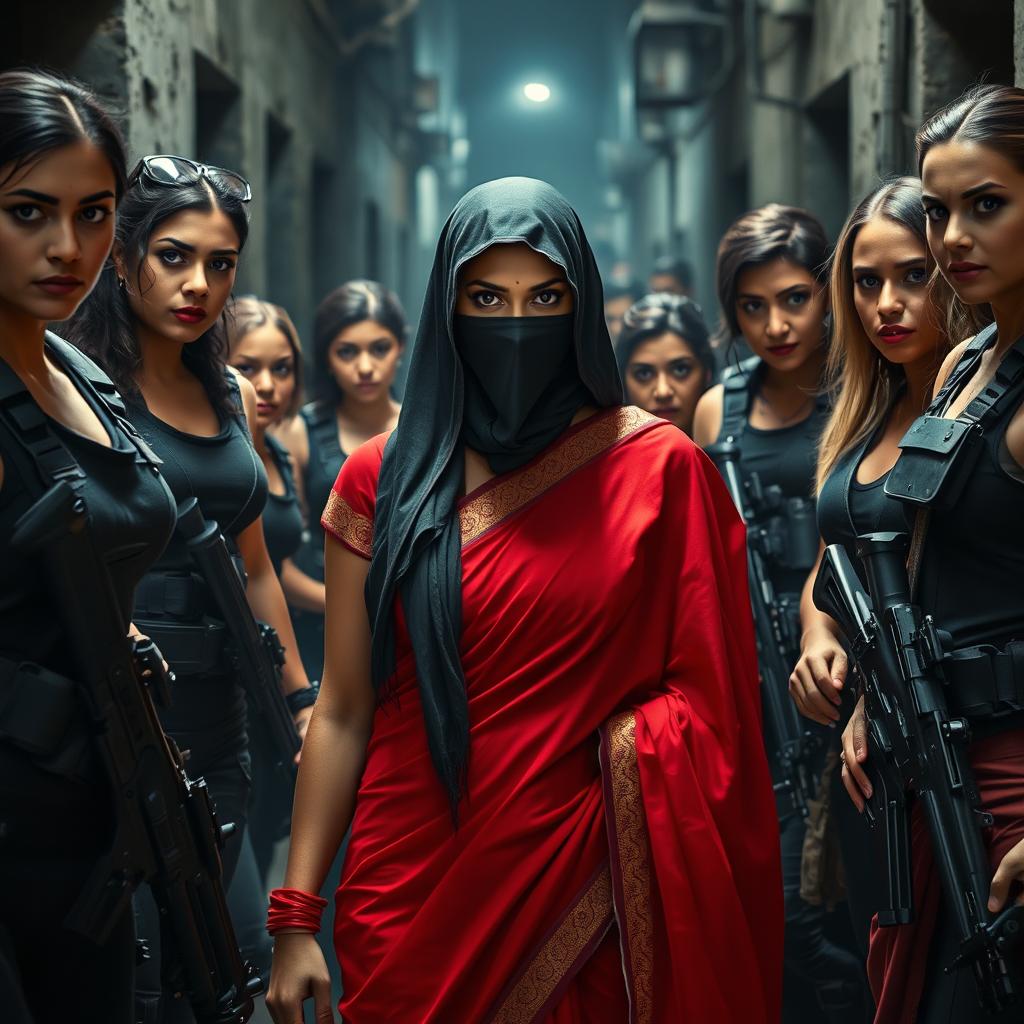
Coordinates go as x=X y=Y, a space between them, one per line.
x=964 y=271
x=893 y=334
x=60 y=284
x=190 y=314
x=782 y=350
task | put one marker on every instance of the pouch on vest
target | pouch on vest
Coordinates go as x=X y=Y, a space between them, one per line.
x=937 y=458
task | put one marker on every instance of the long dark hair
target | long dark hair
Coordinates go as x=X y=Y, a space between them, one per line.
x=770 y=233
x=991 y=115
x=660 y=312
x=350 y=303
x=42 y=110
x=104 y=325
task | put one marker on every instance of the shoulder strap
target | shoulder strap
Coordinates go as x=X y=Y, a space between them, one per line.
x=90 y=370
x=29 y=426
x=105 y=390
x=322 y=425
x=737 y=385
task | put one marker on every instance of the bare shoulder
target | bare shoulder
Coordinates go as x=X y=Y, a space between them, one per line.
x=293 y=435
x=948 y=363
x=707 y=419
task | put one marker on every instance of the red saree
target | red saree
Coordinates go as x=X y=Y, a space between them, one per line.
x=617 y=854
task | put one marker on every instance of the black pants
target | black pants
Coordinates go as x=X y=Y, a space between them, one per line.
x=824 y=981
x=228 y=777
x=52 y=833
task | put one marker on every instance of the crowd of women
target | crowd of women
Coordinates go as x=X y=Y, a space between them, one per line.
x=523 y=593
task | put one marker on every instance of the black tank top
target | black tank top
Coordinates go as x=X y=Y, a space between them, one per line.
x=847 y=509
x=325 y=461
x=131 y=513
x=223 y=472
x=282 y=516
x=785 y=458
x=973 y=559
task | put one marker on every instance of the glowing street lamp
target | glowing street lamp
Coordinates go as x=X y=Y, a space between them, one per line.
x=536 y=92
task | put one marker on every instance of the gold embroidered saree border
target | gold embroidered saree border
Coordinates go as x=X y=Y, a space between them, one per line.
x=631 y=862
x=351 y=528
x=482 y=513
x=571 y=942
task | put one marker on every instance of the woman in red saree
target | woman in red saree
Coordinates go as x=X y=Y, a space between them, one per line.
x=603 y=846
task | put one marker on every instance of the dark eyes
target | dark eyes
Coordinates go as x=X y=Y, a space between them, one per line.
x=95 y=214
x=282 y=370
x=643 y=373
x=491 y=300
x=794 y=300
x=915 y=275
x=28 y=213
x=983 y=206
x=176 y=258
x=378 y=350
x=988 y=204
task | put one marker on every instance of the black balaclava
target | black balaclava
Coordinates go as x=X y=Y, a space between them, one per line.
x=416 y=541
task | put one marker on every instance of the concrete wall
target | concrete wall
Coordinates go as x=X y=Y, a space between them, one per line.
x=265 y=87
x=828 y=107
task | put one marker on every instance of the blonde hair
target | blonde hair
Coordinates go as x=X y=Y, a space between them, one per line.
x=864 y=383
x=245 y=315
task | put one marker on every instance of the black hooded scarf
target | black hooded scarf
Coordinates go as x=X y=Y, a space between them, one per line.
x=416 y=542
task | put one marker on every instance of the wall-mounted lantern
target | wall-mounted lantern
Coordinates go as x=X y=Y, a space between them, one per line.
x=682 y=54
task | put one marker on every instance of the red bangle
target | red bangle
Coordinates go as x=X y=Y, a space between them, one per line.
x=293 y=908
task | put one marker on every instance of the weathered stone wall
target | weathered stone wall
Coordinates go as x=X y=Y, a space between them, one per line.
x=829 y=107
x=263 y=87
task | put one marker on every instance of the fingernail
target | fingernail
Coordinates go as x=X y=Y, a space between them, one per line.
x=869 y=792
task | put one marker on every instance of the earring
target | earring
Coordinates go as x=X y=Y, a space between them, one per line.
x=122 y=284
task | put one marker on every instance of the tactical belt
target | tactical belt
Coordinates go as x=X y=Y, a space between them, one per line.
x=986 y=682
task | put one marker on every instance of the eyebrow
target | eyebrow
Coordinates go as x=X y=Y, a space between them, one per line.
x=984 y=186
x=980 y=188
x=178 y=243
x=498 y=288
x=785 y=291
x=42 y=197
x=899 y=266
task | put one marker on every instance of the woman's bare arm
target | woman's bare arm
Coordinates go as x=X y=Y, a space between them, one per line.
x=817 y=680
x=302 y=591
x=335 y=747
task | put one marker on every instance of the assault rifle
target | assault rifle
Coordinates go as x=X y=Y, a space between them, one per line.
x=255 y=651
x=791 y=745
x=166 y=832
x=916 y=747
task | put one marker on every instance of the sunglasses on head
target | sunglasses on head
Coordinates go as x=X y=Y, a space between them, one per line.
x=164 y=169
